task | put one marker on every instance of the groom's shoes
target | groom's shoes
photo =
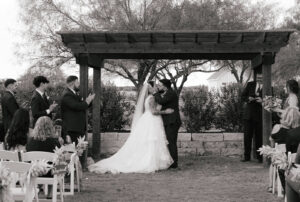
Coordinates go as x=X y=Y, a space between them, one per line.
x=245 y=160
x=173 y=166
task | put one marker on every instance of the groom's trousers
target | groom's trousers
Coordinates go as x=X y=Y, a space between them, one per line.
x=172 y=134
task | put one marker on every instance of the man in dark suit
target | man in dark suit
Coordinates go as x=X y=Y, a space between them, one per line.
x=73 y=111
x=252 y=96
x=9 y=103
x=40 y=105
x=167 y=97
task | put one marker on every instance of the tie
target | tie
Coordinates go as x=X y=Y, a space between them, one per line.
x=45 y=97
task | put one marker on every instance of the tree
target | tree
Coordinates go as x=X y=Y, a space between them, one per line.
x=44 y=17
x=287 y=63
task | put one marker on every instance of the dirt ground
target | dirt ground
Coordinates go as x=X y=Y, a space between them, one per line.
x=204 y=179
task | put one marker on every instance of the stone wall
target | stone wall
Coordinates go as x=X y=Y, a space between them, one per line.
x=204 y=144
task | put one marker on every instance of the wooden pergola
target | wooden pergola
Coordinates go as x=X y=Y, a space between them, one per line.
x=92 y=48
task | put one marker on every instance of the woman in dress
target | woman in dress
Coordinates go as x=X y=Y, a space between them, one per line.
x=145 y=150
x=17 y=133
x=289 y=115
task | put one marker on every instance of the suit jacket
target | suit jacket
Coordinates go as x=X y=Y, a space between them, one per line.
x=169 y=100
x=9 y=107
x=39 y=106
x=73 y=111
x=252 y=110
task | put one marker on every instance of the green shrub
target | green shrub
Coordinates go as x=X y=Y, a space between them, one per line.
x=229 y=116
x=113 y=106
x=199 y=109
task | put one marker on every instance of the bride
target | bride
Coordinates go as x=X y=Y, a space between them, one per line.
x=145 y=150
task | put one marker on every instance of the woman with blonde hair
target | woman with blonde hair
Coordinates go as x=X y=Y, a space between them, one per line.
x=43 y=136
x=44 y=139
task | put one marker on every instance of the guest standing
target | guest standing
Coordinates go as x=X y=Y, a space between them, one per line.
x=252 y=96
x=40 y=105
x=73 y=110
x=9 y=103
x=17 y=133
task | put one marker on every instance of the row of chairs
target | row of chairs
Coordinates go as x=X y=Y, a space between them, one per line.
x=57 y=180
x=275 y=175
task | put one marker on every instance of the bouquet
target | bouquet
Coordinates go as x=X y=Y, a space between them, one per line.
x=270 y=103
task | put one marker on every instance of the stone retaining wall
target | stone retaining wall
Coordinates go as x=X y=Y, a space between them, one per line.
x=204 y=144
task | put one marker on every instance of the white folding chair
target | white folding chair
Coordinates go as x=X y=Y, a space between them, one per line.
x=9 y=155
x=21 y=169
x=73 y=168
x=275 y=174
x=54 y=181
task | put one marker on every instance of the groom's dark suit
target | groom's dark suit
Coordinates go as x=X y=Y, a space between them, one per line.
x=252 y=119
x=73 y=111
x=172 y=121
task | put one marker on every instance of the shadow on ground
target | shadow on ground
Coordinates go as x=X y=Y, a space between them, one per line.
x=204 y=179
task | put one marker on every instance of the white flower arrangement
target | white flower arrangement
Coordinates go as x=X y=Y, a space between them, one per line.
x=277 y=157
x=81 y=145
x=270 y=103
x=39 y=168
x=5 y=182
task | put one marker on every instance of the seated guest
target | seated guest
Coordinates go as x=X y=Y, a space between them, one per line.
x=44 y=139
x=16 y=137
x=290 y=116
x=292 y=185
x=43 y=136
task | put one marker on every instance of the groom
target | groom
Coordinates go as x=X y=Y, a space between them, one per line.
x=167 y=97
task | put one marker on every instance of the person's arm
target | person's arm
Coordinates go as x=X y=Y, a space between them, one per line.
x=74 y=104
x=245 y=94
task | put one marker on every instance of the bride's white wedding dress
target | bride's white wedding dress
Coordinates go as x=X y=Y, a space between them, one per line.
x=144 y=151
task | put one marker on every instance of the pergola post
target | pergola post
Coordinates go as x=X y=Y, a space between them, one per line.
x=96 y=110
x=267 y=61
x=82 y=60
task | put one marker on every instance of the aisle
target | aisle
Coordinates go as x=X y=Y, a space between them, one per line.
x=207 y=179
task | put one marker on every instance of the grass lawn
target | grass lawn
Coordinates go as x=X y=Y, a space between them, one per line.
x=204 y=179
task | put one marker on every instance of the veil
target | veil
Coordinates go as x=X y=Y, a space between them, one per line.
x=139 y=109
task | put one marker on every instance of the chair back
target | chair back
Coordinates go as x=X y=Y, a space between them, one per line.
x=37 y=155
x=16 y=167
x=9 y=155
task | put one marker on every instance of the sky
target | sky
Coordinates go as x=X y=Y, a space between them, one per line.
x=11 y=68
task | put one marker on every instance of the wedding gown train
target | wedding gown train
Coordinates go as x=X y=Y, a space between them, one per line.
x=144 y=151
